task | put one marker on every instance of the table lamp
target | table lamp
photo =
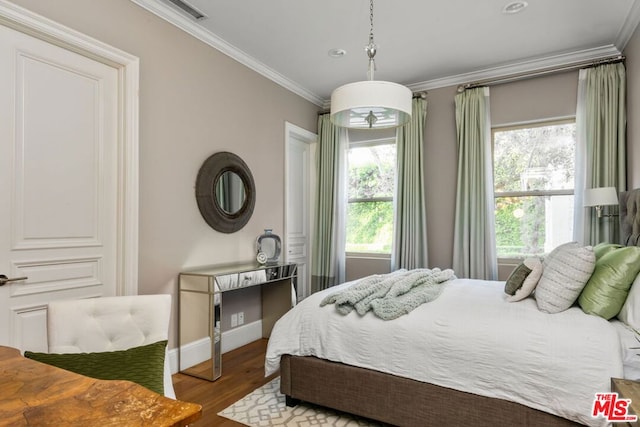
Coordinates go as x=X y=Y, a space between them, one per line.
x=599 y=197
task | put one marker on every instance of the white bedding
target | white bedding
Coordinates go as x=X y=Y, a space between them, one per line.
x=630 y=347
x=470 y=339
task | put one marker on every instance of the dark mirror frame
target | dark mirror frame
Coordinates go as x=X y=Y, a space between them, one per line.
x=208 y=175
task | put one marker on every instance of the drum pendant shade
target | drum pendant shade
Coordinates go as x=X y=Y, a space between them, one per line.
x=371 y=104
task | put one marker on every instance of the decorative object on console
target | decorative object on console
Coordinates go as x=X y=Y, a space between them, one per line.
x=270 y=245
x=261 y=257
x=225 y=192
x=599 y=197
x=371 y=104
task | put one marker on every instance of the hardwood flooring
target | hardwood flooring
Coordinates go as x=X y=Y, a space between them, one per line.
x=242 y=372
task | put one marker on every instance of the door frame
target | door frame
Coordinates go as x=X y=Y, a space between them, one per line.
x=127 y=67
x=293 y=131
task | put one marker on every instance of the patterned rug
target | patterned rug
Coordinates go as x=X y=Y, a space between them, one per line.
x=266 y=406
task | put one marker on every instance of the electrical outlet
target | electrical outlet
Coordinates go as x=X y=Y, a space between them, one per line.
x=234 y=320
x=241 y=318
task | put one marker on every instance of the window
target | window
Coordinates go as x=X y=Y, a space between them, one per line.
x=533 y=169
x=371 y=171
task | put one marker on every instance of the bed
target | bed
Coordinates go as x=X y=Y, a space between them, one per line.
x=447 y=372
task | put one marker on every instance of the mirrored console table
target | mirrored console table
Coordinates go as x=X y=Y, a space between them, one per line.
x=201 y=296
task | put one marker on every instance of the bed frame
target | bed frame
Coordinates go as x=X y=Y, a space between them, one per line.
x=405 y=402
x=399 y=401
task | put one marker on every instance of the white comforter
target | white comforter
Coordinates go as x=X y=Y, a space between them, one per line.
x=469 y=339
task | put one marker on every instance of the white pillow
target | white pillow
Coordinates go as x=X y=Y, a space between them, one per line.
x=630 y=312
x=530 y=282
x=565 y=273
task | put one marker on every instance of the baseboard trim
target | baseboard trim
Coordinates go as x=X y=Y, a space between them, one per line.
x=199 y=351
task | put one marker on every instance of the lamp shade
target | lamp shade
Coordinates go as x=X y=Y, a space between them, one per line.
x=600 y=196
x=371 y=104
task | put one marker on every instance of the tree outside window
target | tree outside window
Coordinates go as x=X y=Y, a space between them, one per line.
x=371 y=171
x=533 y=169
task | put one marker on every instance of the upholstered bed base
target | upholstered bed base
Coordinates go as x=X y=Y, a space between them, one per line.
x=399 y=401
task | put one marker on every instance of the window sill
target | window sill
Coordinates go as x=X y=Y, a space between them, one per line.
x=367 y=255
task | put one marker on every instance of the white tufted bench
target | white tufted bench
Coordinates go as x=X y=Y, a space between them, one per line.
x=110 y=324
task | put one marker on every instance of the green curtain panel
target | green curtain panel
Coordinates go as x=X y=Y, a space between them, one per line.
x=410 y=225
x=474 y=251
x=327 y=266
x=605 y=119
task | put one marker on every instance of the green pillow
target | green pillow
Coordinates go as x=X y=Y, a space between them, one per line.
x=607 y=289
x=143 y=365
x=604 y=248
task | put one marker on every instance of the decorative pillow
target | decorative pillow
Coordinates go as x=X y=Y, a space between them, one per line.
x=143 y=365
x=556 y=250
x=608 y=287
x=566 y=271
x=523 y=279
x=603 y=248
x=630 y=312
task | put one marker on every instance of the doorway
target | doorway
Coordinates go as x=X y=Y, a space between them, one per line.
x=300 y=184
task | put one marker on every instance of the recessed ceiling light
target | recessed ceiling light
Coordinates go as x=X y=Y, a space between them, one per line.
x=337 y=53
x=514 y=7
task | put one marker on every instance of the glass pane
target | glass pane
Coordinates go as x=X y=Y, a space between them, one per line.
x=369 y=227
x=535 y=158
x=371 y=171
x=532 y=226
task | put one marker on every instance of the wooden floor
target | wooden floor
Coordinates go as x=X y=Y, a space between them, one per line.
x=242 y=372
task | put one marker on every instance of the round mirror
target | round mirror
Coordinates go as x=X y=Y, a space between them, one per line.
x=230 y=192
x=225 y=192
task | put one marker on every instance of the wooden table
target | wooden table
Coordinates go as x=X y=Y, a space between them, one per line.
x=628 y=389
x=36 y=394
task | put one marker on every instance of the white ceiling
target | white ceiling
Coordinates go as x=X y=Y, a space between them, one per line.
x=421 y=43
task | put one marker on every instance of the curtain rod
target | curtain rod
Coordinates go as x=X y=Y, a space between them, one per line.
x=530 y=74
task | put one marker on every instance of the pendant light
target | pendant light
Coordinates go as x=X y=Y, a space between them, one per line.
x=371 y=104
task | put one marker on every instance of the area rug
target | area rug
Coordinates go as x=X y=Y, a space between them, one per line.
x=266 y=406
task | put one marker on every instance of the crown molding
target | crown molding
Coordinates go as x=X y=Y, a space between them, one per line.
x=176 y=18
x=529 y=66
x=629 y=26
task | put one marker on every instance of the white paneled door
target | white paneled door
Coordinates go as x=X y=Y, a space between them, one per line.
x=300 y=184
x=58 y=182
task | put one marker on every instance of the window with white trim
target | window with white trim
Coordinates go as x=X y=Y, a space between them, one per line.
x=533 y=169
x=371 y=169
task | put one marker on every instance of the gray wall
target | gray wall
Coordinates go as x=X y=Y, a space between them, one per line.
x=194 y=101
x=632 y=52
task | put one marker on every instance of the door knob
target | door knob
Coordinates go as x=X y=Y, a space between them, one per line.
x=4 y=279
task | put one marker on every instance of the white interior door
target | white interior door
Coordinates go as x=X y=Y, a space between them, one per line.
x=299 y=199
x=58 y=182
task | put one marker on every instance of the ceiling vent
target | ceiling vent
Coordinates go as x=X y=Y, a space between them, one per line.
x=187 y=8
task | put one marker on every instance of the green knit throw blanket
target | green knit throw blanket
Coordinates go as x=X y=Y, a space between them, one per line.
x=391 y=295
